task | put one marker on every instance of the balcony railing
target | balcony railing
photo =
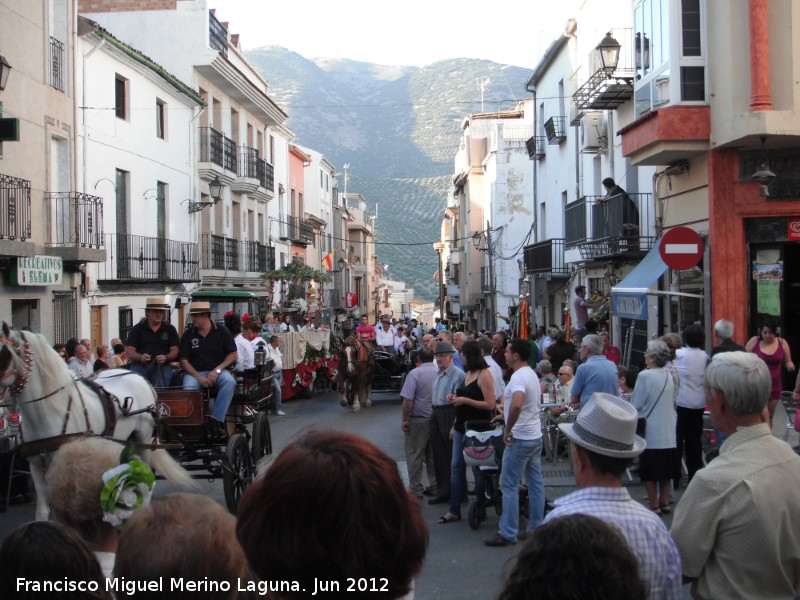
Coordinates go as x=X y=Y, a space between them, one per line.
x=57 y=65
x=142 y=258
x=216 y=148
x=297 y=230
x=617 y=223
x=546 y=258
x=228 y=254
x=252 y=166
x=217 y=35
x=556 y=130
x=265 y=174
x=575 y=223
x=535 y=146
x=15 y=208
x=608 y=89
x=76 y=219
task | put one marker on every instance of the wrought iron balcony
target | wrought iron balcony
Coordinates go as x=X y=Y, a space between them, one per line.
x=216 y=148
x=217 y=34
x=546 y=259
x=298 y=231
x=133 y=258
x=617 y=223
x=57 y=66
x=227 y=254
x=15 y=208
x=265 y=173
x=486 y=282
x=608 y=88
x=252 y=166
x=556 y=130
x=535 y=146
x=76 y=220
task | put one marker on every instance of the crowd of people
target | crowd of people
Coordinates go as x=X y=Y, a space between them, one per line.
x=332 y=507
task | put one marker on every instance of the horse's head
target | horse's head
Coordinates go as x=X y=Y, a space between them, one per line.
x=350 y=354
x=13 y=353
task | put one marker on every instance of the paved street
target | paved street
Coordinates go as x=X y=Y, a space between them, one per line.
x=458 y=565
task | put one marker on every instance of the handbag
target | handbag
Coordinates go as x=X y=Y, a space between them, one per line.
x=641 y=424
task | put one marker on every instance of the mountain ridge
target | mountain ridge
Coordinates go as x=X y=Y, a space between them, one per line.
x=399 y=127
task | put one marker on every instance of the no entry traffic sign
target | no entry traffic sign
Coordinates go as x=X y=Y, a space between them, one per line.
x=681 y=248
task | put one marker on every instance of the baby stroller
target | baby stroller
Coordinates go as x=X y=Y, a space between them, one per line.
x=483 y=449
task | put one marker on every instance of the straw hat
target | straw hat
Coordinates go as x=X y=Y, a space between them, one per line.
x=199 y=308
x=606 y=425
x=156 y=304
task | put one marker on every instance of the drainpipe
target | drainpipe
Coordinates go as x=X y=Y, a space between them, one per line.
x=760 y=94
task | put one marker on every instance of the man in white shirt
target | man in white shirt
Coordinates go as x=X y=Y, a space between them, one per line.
x=79 y=365
x=401 y=342
x=385 y=337
x=523 y=439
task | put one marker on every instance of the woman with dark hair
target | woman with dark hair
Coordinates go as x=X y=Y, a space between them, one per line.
x=773 y=350
x=559 y=350
x=119 y=360
x=70 y=346
x=332 y=508
x=61 y=350
x=652 y=397
x=45 y=554
x=473 y=401
x=575 y=557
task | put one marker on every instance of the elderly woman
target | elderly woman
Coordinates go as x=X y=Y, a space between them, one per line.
x=331 y=507
x=547 y=378
x=74 y=479
x=103 y=354
x=652 y=397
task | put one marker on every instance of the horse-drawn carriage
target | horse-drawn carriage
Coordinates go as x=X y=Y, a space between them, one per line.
x=168 y=427
x=364 y=371
x=198 y=447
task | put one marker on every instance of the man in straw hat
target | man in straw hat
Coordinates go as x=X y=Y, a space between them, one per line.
x=737 y=526
x=603 y=443
x=206 y=352
x=152 y=344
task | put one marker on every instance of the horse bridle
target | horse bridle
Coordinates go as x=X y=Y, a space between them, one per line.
x=23 y=351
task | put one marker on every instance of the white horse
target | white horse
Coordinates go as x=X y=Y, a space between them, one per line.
x=55 y=407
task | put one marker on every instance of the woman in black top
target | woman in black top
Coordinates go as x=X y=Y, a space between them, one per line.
x=473 y=401
x=559 y=351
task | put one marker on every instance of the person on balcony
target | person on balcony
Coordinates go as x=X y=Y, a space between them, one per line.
x=630 y=213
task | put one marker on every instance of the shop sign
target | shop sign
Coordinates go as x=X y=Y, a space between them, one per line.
x=38 y=270
x=793 y=229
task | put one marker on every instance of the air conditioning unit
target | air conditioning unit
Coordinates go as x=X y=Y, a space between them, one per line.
x=594 y=135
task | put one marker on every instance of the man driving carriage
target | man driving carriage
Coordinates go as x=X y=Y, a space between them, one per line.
x=153 y=344
x=206 y=352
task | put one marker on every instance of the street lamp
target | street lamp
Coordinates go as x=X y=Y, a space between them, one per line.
x=214 y=190
x=608 y=49
x=5 y=71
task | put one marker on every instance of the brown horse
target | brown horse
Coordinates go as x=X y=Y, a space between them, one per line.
x=356 y=367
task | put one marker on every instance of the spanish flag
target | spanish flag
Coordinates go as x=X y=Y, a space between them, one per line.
x=327 y=262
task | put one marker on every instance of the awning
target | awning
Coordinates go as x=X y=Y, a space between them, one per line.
x=629 y=296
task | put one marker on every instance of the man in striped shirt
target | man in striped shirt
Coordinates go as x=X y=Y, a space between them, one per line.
x=604 y=444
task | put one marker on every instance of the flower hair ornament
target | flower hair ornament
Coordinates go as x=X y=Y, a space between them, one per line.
x=126 y=487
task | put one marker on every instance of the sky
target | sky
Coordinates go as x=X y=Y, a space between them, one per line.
x=409 y=33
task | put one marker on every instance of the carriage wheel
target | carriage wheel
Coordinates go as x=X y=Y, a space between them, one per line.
x=238 y=473
x=262 y=437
